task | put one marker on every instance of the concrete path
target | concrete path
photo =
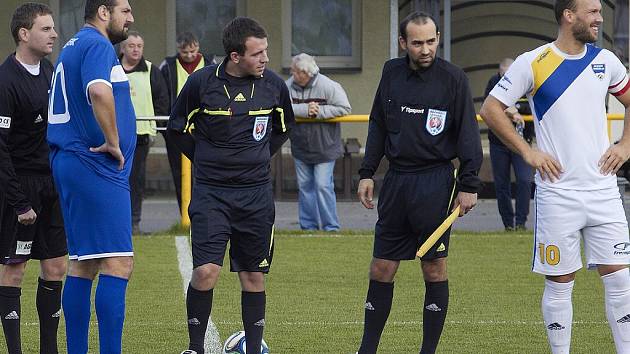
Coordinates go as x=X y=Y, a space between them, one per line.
x=159 y=214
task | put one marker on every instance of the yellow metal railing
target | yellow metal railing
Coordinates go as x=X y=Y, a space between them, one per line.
x=354 y=118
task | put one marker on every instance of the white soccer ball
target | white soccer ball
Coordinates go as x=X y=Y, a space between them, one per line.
x=235 y=344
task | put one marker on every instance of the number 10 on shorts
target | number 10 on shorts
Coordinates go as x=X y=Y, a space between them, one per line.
x=549 y=254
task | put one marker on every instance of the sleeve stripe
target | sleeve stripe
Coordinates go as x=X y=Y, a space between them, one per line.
x=619 y=85
x=87 y=88
x=281 y=111
x=620 y=88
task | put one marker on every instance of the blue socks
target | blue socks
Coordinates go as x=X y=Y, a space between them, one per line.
x=110 y=312
x=76 y=309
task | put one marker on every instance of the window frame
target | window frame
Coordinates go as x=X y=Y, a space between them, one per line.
x=352 y=62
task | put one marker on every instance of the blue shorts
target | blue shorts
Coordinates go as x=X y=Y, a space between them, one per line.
x=96 y=211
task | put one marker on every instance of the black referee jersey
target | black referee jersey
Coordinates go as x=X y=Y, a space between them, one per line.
x=237 y=124
x=23 y=123
x=423 y=119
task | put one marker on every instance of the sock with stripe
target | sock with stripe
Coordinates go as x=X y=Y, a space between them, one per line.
x=378 y=304
x=10 y=310
x=76 y=304
x=253 y=316
x=198 y=308
x=434 y=314
x=48 y=303
x=557 y=310
x=110 y=312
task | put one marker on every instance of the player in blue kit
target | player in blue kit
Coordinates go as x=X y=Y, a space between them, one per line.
x=92 y=136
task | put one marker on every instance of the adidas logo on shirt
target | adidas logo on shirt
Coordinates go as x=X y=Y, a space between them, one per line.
x=194 y=321
x=39 y=119
x=555 y=327
x=368 y=306
x=12 y=316
x=56 y=314
x=260 y=323
x=240 y=98
x=624 y=319
x=433 y=307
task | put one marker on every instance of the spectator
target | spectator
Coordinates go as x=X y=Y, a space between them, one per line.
x=315 y=146
x=150 y=98
x=176 y=70
x=501 y=158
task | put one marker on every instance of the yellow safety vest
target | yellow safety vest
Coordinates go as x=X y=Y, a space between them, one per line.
x=142 y=99
x=182 y=74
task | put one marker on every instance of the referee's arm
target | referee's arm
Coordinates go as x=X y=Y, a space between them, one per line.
x=180 y=120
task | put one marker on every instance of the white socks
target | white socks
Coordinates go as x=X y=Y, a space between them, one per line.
x=557 y=310
x=617 y=295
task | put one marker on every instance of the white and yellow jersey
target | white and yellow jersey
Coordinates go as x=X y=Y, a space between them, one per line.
x=567 y=94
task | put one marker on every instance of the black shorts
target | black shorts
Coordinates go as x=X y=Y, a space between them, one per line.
x=243 y=216
x=46 y=238
x=410 y=208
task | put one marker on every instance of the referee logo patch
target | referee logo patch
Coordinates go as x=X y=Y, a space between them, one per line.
x=5 y=122
x=23 y=248
x=260 y=128
x=436 y=120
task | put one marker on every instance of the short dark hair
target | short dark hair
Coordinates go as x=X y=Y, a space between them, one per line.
x=419 y=18
x=186 y=39
x=24 y=17
x=237 y=31
x=91 y=7
x=562 y=5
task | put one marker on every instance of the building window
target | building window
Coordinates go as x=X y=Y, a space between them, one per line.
x=206 y=19
x=328 y=29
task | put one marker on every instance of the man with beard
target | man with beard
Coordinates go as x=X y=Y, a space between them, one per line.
x=31 y=225
x=566 y=83
x=422 y=118
x=92 y=135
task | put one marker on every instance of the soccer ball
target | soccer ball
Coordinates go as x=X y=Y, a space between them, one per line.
x=235 y=344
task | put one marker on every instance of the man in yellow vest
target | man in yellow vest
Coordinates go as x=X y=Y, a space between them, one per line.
x=149 y=96
x=176 y=70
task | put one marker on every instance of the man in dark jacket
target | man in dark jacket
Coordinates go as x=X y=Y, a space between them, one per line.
x=176 y=70
x=316 y=145
x=150 y=98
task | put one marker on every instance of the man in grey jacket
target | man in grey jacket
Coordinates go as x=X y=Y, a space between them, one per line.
x=316 y=145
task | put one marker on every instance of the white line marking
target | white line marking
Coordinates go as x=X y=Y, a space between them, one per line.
x=212 y=341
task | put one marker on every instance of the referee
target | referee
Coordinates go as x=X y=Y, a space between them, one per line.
x=31 y=225
x=241 y=113
x=422 y=118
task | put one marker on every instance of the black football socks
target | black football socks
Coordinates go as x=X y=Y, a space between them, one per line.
x=198 y=308
x=434 y=315
x=377 y=306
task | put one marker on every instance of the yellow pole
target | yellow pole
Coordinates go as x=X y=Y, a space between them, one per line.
x=186 y=190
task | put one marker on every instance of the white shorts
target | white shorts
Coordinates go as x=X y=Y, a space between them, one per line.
x=562 y=216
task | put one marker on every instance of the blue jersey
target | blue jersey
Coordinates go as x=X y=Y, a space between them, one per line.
x=90 y=58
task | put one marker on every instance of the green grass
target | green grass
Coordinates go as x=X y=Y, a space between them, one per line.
x=316 y=291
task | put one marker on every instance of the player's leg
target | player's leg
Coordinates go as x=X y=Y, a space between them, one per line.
x=500 y=160
x=607 y=246
x=391 y=244
x=76 y=304
x=523 y=173
x=11 y=276
x=560 y=215
x=616 y=281
x=109 y=301
x=253 y=303
x=436 y=298
x=49 y=246
x=251 y=254
x=325 y=191
x=48 y=301
x=308 y=213
x=210 y=229
x=434 y=192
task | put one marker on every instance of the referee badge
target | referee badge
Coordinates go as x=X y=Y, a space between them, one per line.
x=436 y=120
x=260 y=128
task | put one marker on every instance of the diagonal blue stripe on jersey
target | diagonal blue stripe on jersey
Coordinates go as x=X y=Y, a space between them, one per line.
x=560 y=80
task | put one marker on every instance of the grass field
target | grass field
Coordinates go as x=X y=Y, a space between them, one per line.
x=316 y=292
